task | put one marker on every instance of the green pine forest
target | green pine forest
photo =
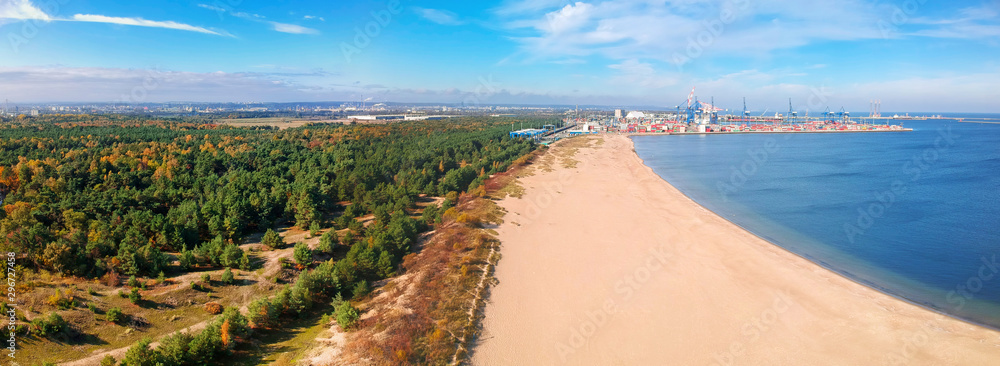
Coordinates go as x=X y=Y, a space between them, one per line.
x=120 y=199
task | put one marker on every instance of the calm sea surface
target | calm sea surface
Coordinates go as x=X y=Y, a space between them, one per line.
x=913 y=214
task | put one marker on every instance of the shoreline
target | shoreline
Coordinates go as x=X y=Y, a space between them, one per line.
x=632 y=134
x=818 y=262
x=593 y=278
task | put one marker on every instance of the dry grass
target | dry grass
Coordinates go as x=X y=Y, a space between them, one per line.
x=429 y=314
x=569 y=147
x=165 y=308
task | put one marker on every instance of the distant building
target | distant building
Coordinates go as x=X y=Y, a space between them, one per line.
x=618 y=114
x=635 y=115
x=377 y=118
x=34 y=113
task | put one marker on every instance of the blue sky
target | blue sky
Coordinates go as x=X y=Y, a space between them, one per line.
x=913 y=55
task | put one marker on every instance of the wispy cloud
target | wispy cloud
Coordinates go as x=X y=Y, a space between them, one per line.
x=978 y=22
x=291 y=28
x=275 y=26
x=312 y=17
x=625 y=29
x=140 y=22
x=24 y=10
x=635 y=73
x=95 y=84
x=442 y=17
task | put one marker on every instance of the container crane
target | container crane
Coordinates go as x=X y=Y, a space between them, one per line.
x=746 y=113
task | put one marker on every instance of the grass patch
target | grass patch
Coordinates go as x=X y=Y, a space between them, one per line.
x=283 y=345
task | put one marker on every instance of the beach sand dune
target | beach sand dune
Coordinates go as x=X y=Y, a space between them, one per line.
x=605 y=263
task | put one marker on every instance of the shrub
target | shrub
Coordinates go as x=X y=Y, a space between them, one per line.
x=231 y=256
x=62 y=302
x=51 y=325
x=91 y=291
x=187 y=259
x=175 y=349
x=206 y=278
x=272 y=240
x=161 y=278
x=361 y=289
x=133 y=282
x=302 y=254
x=327 y=242
x=115 y=315
x=134 y=297
x=108 y=361
x=245 y=262
x=314 y=229
x=92 y=307
x=261 y=313
x=227 y=277
x=347 y=315
x=213 y=308
x=141 y=355
x=122 y=294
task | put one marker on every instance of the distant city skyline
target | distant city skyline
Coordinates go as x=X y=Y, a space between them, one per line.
x=912 y=55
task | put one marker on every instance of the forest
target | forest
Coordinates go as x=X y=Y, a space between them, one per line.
x=110 y=198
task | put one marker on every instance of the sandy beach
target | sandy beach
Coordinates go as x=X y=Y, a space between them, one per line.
x=604 y=263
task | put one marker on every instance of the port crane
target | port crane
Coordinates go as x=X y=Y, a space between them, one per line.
x=746 y=113
x=792 y=114
x=844 y=115
x=828 y=114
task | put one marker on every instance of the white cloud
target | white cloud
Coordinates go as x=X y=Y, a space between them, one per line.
x=633 y=73
x=292 y=28
x=571 y=17
x=978 y=22
x=140 y=22
x=212 y=7
x=25 y=10
x=442 y=17
x=625 y=29
x=311 y=17
x=276 y=26
x=21 y=9
x=91 y=84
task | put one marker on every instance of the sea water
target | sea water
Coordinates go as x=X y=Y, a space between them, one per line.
x=913 y=214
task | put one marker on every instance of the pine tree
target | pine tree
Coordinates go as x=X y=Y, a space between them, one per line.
x=227 y=277
x=302 y=254
x=327 y=242
x=272 y=240
x=385 y=266
x=245 y=262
